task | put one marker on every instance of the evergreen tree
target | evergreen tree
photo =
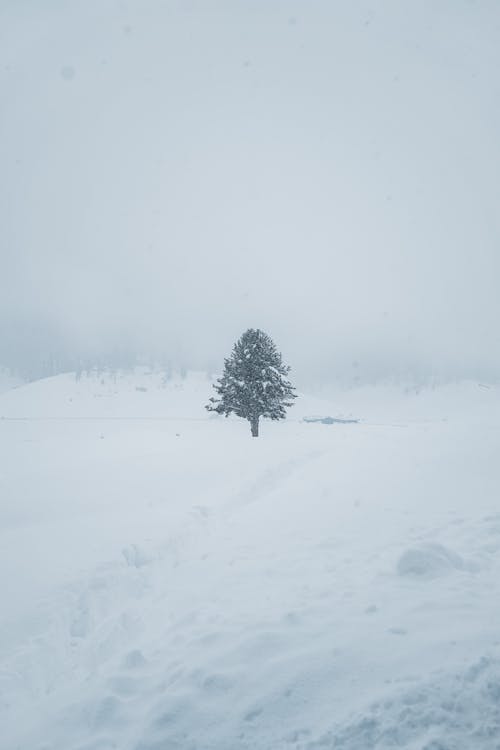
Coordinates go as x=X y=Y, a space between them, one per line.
x=254 y=382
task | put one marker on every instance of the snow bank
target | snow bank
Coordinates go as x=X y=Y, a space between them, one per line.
x=458 y=710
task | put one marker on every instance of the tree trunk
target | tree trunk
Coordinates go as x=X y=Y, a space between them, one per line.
x=254 y=423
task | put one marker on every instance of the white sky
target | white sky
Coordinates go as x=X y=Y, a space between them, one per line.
x=172 y=173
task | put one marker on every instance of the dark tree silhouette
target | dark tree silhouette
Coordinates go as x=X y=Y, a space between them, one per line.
x=254 y=382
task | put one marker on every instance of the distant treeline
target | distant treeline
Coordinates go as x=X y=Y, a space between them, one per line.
x=54 y=364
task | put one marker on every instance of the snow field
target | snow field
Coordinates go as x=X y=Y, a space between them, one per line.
x=172 y=583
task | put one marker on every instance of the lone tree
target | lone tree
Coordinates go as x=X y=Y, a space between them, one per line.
x=253 y=383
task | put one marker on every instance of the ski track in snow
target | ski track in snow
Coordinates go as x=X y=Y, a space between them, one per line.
x=335 y=588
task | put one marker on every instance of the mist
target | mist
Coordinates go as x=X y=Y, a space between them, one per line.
x=175 y=172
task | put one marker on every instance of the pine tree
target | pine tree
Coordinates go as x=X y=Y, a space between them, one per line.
x=253 y=383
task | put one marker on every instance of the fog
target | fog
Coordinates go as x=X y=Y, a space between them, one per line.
x=175 y=172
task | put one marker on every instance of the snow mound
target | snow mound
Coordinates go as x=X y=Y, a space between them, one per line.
x=136 y=556
x=429 y=561
x=455 y=711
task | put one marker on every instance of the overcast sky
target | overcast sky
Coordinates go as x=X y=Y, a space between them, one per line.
x=174 y=172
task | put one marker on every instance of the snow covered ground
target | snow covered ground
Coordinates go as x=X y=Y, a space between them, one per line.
x=8 y=381
x=169 y=583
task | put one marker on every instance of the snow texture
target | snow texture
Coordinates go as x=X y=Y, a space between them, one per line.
x=168 y=582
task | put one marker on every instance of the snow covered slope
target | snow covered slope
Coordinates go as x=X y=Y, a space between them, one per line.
x=8 y=381
x=169 y=582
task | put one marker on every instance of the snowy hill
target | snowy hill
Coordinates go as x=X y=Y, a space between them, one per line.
x=8 y=381
x=168 y=582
